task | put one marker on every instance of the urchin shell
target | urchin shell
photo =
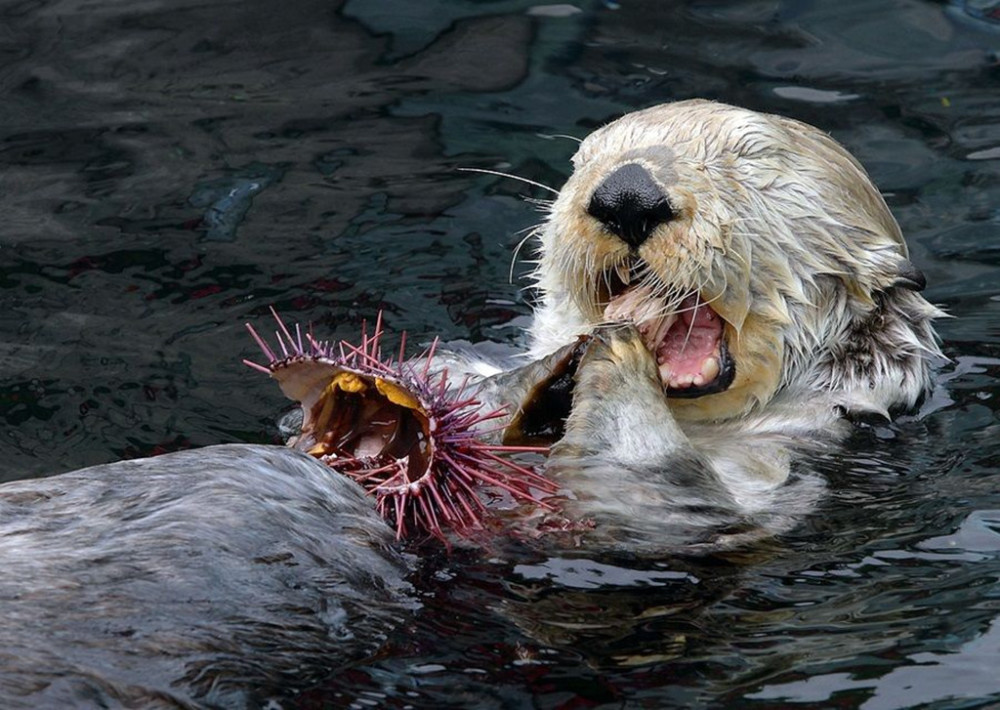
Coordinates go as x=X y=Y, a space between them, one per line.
x=427 y=479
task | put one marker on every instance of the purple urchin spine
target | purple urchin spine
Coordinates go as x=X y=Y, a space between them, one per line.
x=446 y=494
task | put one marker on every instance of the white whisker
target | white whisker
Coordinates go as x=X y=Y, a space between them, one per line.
x=550 y=136
x=687 y=336
x=508 y=175
x=542 y=204
x=531 y=232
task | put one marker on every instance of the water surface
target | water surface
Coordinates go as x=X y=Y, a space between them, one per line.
x=169 y=170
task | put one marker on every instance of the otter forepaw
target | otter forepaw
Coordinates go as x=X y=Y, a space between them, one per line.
x=616 y=362
x=619 y=409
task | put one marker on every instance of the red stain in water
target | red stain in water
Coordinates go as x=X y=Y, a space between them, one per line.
x=206 y=291
x=328 y=285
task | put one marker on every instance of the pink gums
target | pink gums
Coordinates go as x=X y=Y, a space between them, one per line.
x=692 y=339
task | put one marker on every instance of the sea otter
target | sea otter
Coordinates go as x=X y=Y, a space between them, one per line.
x=721 y=291
x=746 y=292
x=753 y=251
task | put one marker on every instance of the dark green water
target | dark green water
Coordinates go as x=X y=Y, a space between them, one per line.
x=168 y=170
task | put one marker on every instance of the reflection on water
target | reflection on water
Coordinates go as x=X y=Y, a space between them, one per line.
x=170 y=170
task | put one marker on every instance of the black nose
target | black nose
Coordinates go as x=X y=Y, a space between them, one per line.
x=630 y=204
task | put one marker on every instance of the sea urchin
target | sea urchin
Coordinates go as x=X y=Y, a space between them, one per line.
x=399 y=428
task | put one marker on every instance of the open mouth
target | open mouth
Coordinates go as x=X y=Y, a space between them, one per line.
x=684 y=333
x=360 y=417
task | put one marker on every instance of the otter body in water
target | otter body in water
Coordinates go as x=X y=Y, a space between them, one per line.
x=214 y=577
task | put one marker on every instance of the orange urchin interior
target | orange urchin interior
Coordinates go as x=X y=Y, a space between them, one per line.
x=360 y=416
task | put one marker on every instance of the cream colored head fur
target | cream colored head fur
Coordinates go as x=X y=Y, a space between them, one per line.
x=779 y=229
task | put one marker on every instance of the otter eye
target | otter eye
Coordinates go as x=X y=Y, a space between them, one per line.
x=630 y=204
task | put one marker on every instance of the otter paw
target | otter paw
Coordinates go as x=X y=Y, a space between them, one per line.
x=616 y=363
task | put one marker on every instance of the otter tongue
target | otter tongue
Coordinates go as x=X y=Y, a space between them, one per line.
x=688 y=354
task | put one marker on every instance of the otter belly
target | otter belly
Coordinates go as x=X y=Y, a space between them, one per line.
x=218 y=575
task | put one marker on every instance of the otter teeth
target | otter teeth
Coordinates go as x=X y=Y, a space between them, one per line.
x=708 y=371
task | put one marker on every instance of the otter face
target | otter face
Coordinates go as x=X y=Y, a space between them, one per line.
x=752 y=252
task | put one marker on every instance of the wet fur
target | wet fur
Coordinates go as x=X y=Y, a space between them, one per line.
x=214 y=577
x=782 y=232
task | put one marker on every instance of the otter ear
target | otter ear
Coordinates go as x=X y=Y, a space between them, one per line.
x=909 y=277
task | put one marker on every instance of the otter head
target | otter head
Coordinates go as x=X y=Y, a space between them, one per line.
x=752 y=251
